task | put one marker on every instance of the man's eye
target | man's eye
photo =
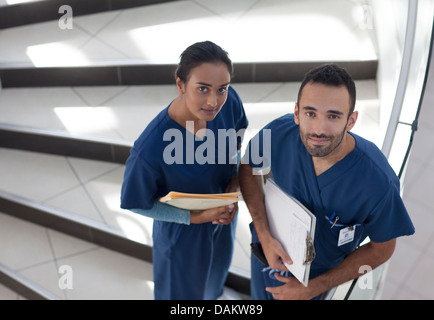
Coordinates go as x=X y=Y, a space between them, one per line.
x=203 y=89
x=310 y=114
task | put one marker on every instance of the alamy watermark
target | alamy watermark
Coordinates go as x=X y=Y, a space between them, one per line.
x=66 y=279
x=365 y=280
x=66 y=21
x=225 y=144
x=367 y=21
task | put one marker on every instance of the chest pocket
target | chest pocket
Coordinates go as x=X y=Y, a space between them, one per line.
x=344 y=235
x=330 y=242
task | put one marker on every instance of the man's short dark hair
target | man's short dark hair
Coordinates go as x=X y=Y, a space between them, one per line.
x=331 y=75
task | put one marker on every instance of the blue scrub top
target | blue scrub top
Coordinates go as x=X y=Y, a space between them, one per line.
x=362 y=189
x=166 y=157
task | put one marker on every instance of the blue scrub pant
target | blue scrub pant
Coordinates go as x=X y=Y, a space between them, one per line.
x=191 y=262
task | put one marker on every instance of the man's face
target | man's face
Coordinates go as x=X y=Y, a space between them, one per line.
x=323 y=118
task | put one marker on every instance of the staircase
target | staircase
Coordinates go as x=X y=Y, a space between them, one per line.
x=74 y=100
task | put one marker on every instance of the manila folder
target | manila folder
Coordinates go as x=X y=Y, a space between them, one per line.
x=196 y=201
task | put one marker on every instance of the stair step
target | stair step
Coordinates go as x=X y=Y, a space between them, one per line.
x=74 y=225
x=163 y=74
x=41 y=263
x=101 y=123
x=139 y=45
x=21 y=286
x=33 y=12
x=61 y=143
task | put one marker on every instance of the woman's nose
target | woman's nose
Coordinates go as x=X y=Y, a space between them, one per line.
x=212 y=100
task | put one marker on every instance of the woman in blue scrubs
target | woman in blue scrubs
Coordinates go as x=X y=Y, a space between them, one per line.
x=191 y=146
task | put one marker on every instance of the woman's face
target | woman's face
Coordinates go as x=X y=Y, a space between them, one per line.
x=205 y=90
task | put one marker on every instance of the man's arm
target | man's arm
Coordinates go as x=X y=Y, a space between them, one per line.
x=371 y=254
x=252 y=189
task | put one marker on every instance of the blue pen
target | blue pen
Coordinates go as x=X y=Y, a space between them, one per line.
x=332 y=216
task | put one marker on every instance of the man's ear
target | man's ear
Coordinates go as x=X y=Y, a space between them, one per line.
x=352 y=120
x=180 y=85
x=296 y=114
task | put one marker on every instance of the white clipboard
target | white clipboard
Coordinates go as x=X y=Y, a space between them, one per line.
x=294 y=226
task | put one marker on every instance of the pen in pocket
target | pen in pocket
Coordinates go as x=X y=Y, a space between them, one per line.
x=333 y=219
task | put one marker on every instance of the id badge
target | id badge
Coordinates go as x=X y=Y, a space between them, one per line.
x=346 y=235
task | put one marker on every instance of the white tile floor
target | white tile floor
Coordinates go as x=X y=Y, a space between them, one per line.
x=91 y=188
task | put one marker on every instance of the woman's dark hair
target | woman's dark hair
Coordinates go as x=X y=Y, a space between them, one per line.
x=331 y=75
x=199 y=53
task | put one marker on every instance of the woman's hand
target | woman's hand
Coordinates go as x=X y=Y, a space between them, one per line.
x=233 y=186
x=219 y=215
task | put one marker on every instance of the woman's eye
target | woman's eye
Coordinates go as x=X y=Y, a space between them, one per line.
x=222 y=90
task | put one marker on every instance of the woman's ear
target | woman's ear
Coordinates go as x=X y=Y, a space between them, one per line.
x=180 y=85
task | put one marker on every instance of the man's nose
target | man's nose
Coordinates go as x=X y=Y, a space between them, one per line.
x=320 y=126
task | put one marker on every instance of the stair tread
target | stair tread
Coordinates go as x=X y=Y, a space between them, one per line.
x=122 y=112
x=146 y=34
x=96 y=271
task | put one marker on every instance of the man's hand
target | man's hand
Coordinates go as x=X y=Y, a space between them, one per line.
x=253 y=193
x=292 y=289
x=275 y=254
x=372 y=254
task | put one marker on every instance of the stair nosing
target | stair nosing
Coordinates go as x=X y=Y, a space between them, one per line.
x=23 y=286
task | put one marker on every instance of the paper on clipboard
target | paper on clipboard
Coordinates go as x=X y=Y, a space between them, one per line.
x=294 y=226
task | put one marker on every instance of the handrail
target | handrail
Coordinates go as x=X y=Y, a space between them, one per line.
x=403 y=78
x=414 y=124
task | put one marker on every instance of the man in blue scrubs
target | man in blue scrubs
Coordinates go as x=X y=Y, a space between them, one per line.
x=343 y=179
